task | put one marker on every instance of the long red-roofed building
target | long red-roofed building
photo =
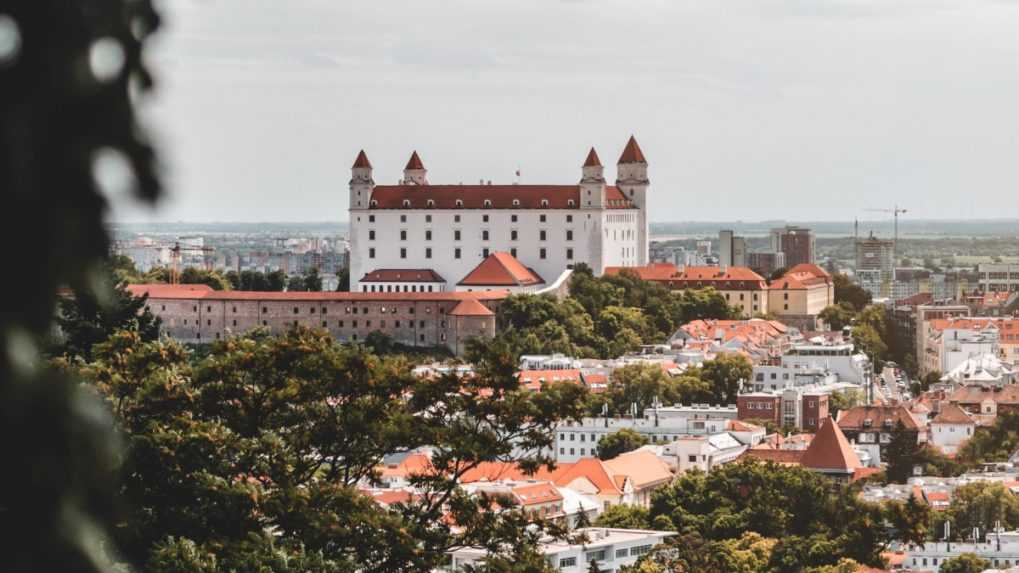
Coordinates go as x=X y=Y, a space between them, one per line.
x=198 y=314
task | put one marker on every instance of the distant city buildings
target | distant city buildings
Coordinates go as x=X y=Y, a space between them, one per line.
x=998 y=277
x=732 y=250
x=875 y=265
x=796 y=243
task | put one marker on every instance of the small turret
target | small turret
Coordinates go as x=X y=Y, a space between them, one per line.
x=414 y=173
x=592 y=182
x=632 y=181
x=361 y=183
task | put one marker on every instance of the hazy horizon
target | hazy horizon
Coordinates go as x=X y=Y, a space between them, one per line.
x=751 y=110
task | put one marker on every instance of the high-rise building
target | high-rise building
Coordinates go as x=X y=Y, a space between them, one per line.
x=732 y=250
x=875 y=268
x=797 y=243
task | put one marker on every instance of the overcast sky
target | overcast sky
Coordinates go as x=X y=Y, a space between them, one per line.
x=745 y=109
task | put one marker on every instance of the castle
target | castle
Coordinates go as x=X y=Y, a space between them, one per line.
x=419 y=237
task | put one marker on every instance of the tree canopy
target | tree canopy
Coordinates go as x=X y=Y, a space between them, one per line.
x=619 y=442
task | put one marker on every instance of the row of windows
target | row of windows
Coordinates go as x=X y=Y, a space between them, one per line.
x=458 y=253
x=485 y=235
x=760 y=405
x=348 y=310
x=484 y=218
x=389 y=288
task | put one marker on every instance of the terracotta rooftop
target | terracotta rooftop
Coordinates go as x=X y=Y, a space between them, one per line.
x=470 y=307
x=191 y=292
x=592 y=159
x=362 y=160
x=533 y=379
x=877 y=417
x=488 y=197
x=651 y=272
x=403 y=275
x=975 y=394
x=632 y=152
x=501 y=269
x=952 y=414
x=534 y=494
x=641 y=467
x=718 y=274
x=802 y=276
x=784 y=457
x=830 y=450
x=414 y=162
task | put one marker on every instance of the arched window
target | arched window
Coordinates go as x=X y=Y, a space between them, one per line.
x=406 y=202
x=516 y=202
x=430 y=202
x=544 y=202
x=570 y=203
x=459 y=203
x=374 y=203
x=488 y=203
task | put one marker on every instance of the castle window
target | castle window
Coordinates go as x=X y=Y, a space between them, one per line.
x=428 y=218
x=456 y=218
x=371 y=218
x=488 y=202
x=513 y=235
x=456 y=235
x=541 y=218
x=484 y=235
x=406 y=202
x=570 y=203
x=569 y=234
x=543 y=253
x=456 y=253
x=569 y=254
x=430 y=202
x=513 y=218
x=371 y=253
x=374 y=203
x=403 y=234
x=428 y=235
x=513 y=252
x=428 y=253
x=459 y=203
x=403 y=252
x=542 y=234
x=484 y=218
x=403 y=218
x=569 y=218
x=516 y=202
x=544 y=202
x=371 y=235
x=265 y=309
x=484 y=253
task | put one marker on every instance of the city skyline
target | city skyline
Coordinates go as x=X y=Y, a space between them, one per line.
x=777 y=107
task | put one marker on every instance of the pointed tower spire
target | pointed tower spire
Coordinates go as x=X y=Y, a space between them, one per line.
x=414 y=172
x=415 y=162
x=592 y=159
x=362 y=160
x=632 y=153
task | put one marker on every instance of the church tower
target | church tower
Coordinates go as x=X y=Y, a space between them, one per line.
x=361 y=183
x=592 y=183
x=414 y=173
x=632 y=181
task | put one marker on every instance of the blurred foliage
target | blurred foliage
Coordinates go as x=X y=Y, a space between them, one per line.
x=620 y=442
x=71 y=74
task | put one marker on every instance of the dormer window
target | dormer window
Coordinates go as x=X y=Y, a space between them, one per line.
x=516 y=202
x=488 y=203
x=459 y=202
x=544 y=202
x=374 y=203
x=406 y=202
x=430 y=202
x=570 y=203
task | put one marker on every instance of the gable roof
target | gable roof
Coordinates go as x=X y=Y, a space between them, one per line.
x=651 y=272
x=501 y=269
x=952 y=414
x=830 y=450
x=784 y=457
x=403 y=275
x=470 y=307
x=641 y=467
x=976 y=394
x=856 y=418
x=632 y=152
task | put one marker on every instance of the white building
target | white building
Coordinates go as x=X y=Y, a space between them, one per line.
x=840 y=359
x=951 y=428
x=577 y=440
x=611 y=548
x=451 y=229
x=702 y=452
x=998 y=277
x=1001 y=549
x=985 y=369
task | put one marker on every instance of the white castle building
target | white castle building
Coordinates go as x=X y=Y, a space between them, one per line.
x=419 y=237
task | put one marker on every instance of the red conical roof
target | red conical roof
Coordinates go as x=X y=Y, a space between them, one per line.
x=632 y=153
x=362 y=160
x=830 y=450
x=592 y=159
x=415 y=162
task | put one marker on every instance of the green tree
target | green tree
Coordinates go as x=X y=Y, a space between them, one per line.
x=837 y=315
x=63 y=125
x=844 y=400
x=620 y=442
x=84 y=319
x=312 y=280
x=902 y=454
x=276 y=433
x=296 y=284
x=979 y=505
x=992 y=444
x=624 y=516
x=848 y=291
x=343 y=285
x=965 y=563
x=725 y=374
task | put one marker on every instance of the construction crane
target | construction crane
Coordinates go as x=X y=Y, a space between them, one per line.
x=175 y=251
x=895 y=211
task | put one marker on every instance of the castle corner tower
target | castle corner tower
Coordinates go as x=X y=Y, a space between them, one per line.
x=632 y=181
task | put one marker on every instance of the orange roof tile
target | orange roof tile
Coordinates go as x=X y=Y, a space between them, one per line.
x=651 y=272
x=187 y=292
x=412 y=464
x=592 y=159
x=533 y=379
x=501 y=269
x=470 y=307
x=830 y=450
x=952 y=414
x=784 y=457
x=632 y=152
x=496 y=471
x=641 y=467
x=414 y=162
x=170 y=291
x=362 y=160
x=536 y=494
x=856 y=417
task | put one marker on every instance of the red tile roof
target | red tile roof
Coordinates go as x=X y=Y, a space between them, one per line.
x=830 y=450
x=784 y=457
x=856 y=417
x=952 y=414
x=975 y=394
x=501 y=269
x=498 y=197
x=470 y=307
x=362 y=160
x=415 y=162
x=536 y=494
x=533 y=379
x=592 y=159
x=187 y=292
x=403 y=275
x=802 y=276
x=651 y=272
x=732 y=278
x=632 y=152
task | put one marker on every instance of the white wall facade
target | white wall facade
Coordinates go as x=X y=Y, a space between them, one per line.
x=948 y=437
